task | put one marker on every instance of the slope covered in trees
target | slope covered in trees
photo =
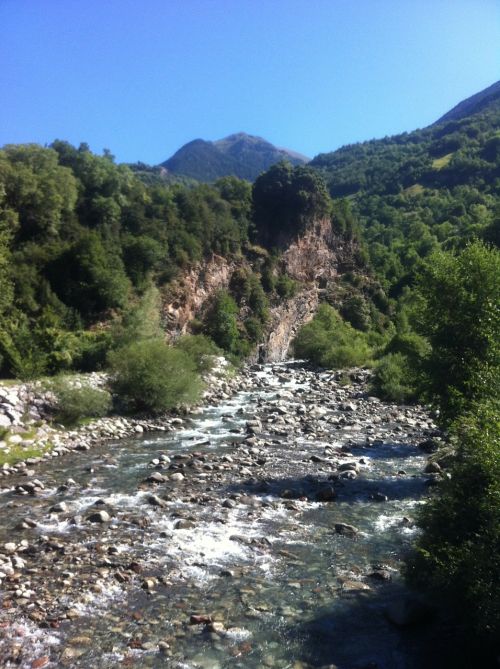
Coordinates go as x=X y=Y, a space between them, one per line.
x=83 y=239
x=240 y=155
x=416 y=192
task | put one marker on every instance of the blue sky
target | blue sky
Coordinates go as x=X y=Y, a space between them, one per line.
x=142 y=77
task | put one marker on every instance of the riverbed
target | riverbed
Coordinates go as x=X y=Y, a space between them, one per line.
x=266 y=530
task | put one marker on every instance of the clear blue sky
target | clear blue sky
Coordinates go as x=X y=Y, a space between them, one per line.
x=142 y=77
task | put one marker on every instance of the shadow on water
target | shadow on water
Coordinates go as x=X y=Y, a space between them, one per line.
x=351 y=492
x=386 y=451
x=355 y=633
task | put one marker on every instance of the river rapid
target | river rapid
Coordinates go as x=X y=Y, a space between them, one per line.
x=264 y=531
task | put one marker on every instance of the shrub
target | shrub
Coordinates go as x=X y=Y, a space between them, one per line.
x=286 y=287
x=393 y=379
x=151 y=376
x=74 y=402
x=221 y=324
x=330 y=342
x=200 y=349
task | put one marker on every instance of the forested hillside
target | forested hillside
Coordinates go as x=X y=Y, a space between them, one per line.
x=416 y=192
x=84 y=239
x=240 y=155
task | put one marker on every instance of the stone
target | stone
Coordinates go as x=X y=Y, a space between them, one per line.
x=346 y=530
x=156 y=477
x=326 y=494
x=432 y=468
x=202 y=619
x=379 y=497
x=183 y=524
x=99 y=517
x=60 y=507
x=154 y=500
x=349 y=466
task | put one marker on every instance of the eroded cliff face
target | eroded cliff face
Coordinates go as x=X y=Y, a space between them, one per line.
x=314 y=259
x=189 y=295
x=317 y=256
x=284 y=323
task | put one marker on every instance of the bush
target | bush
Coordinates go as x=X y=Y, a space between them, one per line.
x=393 y=379
x=286 y=287
x=74 y=402
x=330 y=342
x=151 y=376
x=221 y=324
x=200 y=349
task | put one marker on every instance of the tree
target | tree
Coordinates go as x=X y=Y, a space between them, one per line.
x=460 y=316
x=286 y=199
x=221 y=323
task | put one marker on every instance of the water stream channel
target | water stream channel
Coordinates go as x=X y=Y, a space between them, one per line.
x=266 y=531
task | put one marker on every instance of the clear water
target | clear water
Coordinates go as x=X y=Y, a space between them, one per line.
x=267 y=565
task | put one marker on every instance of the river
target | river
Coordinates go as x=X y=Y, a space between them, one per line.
x=266 y=531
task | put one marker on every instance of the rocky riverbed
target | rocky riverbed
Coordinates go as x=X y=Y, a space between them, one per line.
x=265 y=529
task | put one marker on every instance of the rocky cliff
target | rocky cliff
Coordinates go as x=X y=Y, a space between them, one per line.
x=315 y=259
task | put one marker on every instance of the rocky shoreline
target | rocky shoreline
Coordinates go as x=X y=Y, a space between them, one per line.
x=26 y=412
x=76 y=548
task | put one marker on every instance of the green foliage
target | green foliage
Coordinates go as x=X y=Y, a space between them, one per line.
x=221 y=324
x=90 y=276
x=75 y=401
x=460 y=317
x=458 y=552
x=140 y=320
x=84 y=238
x=331 y=342
x=286 y=287
x=393 y=379
x=200 y=349
x=151 y=376
x=285 y=199
x=416 y=192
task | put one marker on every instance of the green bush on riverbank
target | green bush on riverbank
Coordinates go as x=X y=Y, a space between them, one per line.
x=151 y=376
x=331 y=342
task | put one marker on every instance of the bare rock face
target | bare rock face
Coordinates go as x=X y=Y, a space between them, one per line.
x=314 y=259
x=188 y=295
x=285 y=321
x=313 y=256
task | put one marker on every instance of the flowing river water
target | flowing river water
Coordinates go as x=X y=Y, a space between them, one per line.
x=265 y=531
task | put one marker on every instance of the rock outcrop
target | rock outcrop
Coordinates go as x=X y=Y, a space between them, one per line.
x=315 y=259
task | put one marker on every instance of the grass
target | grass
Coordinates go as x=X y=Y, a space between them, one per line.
x=416 y=189
x=439 y=163
x=17 y=453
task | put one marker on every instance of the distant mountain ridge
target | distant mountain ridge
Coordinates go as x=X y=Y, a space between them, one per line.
x=476 y=103
x=241 y=155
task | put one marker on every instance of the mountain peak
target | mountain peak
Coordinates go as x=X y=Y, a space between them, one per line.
x=241 y=155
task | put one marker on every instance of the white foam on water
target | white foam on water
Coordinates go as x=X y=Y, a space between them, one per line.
x=36 y=642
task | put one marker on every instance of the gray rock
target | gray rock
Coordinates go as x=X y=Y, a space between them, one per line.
x=99 y=517
x=326 y=494
x=60 y=507
x=346 y=530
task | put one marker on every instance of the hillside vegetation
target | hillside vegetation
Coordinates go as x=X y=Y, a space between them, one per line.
x=239 y=155
x=414 y=193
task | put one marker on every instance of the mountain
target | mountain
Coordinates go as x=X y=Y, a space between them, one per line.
x=476 y=103
x=414 y=192
x=240 y=155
